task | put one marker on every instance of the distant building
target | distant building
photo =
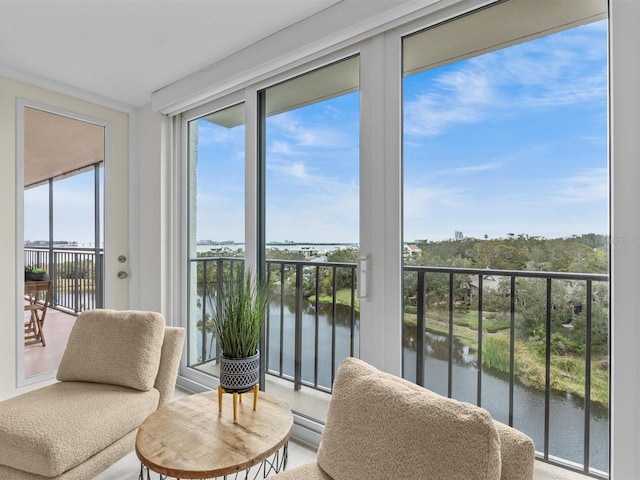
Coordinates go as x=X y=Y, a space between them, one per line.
x=489 y=282
x=309 y=253
x=412 y=250
x=459 y=236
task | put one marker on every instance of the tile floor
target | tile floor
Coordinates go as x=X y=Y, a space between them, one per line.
x=39 y=359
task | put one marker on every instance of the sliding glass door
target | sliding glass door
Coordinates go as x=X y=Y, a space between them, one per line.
x=311 y=223
x=506 y=287
x=407 y=198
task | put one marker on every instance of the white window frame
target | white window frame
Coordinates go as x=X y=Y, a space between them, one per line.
x=380 y=185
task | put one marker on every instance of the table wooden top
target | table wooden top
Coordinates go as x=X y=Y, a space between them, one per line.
x=190 y=439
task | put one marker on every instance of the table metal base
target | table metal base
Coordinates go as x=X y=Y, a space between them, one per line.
x=276 y=464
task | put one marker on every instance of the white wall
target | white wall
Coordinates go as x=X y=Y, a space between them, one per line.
x=12 y=224
x=151 y=218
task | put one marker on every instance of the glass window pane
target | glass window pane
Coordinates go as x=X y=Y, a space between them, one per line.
x=36 y=215
x=76 y=268
x=74 y=210
x=216 y=221
x=505 y=159
x=312 y=225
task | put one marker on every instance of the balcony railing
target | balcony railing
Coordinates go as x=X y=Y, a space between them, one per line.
x=454 y=319
x=314 y=323
x=76 y=275
x=541 y=312
x=306 y=278
x=548 y=325
x=297 y=306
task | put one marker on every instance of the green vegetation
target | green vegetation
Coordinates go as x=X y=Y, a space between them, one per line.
x=567 y=361
x=567 y=373
x=586 y=253
x=343 y=297
x=578 y=254
x=79 y=269
x=239 y=307
x=495 y=354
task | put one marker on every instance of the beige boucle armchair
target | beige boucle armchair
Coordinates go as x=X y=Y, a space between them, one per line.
x=117 y=369
x=381 y=427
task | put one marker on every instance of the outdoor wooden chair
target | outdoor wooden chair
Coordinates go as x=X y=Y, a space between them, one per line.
x=37 y=295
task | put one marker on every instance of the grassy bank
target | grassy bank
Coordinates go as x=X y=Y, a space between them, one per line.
x=343 y=297
x=567 y=371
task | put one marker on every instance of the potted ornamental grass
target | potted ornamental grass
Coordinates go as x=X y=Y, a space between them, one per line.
x=35 y=274
x=241 y=305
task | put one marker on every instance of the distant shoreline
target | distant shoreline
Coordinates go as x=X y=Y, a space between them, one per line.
x=207 y=243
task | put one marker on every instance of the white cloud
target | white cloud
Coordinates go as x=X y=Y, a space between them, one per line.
x=308 y=134
x=583 y=187
x=316 y=217
x=541 y=74
x=281 y=148
x=297 y=170
x=209 y=134
x=482 y=167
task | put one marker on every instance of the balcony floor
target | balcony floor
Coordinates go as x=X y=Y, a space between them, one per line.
x=39 y=359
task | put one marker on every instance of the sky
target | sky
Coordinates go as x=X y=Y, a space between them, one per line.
x=73 y=212
x=513 y=141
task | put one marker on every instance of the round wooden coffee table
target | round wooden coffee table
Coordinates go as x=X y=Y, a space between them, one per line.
x=190 y=439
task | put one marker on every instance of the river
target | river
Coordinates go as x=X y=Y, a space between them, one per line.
x=566 y=411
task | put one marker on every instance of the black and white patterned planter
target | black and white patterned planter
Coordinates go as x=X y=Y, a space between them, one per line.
x=239 y=374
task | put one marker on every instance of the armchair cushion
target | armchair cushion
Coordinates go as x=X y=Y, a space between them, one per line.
x=114 y=347
x=517 y=451
x=380 y=426
x=53 y=429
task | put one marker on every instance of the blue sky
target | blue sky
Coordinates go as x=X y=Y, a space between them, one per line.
x=514 y=141
x=313 y=173
x=73 y=211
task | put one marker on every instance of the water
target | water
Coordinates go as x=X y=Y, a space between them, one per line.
x=319 y=248
x=566 y=413
x=326 y=371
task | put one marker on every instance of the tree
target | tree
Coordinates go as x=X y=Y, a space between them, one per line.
x=343 y=275
x=496 y=254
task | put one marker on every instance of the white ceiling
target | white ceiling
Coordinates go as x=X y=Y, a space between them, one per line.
x=55 y=145
x=126 y=49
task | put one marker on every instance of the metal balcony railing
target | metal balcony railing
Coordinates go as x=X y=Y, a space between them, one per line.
x=307 y=283
x=562 y=301
x=76 y=275
x=296 y=289
x=313 y=323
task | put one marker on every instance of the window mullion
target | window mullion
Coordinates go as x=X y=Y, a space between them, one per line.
x=380 y=201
